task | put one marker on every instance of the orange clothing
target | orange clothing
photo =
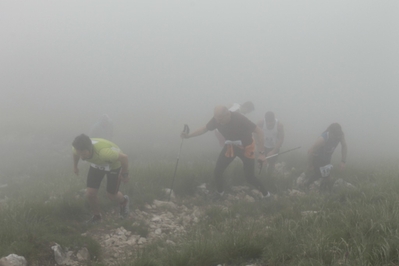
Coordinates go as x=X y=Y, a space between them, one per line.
x=249 y=150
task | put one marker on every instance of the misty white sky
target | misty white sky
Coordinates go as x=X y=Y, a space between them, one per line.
x=160 y=64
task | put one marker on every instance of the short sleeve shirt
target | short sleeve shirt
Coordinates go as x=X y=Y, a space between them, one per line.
x=105 y=155
x=239 y=128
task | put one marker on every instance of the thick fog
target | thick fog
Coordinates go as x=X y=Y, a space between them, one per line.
x=153 y=66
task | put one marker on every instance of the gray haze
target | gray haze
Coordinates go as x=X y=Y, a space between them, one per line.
x=155 y=65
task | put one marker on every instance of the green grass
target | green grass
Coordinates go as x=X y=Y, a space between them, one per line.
x=350 y=227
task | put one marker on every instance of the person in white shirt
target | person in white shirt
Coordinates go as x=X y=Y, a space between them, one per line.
x=273 y=133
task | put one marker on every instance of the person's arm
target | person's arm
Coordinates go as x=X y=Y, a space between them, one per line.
x=312 y=151
x=258 y=135
x=75 y=163
x=124 y=166
x=198 y=132
x=344 y=152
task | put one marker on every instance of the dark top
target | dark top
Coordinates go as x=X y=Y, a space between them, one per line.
x=325 y=152
x=239 y=128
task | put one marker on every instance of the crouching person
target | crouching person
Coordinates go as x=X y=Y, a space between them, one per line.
x=319 y=155
x=105 y=158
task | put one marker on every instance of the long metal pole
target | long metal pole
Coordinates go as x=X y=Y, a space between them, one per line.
x=186 y=130
x=260 y=170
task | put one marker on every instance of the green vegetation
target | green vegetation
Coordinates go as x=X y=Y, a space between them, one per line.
x=346 y=227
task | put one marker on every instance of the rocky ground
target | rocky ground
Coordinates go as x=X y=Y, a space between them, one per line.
x=160 y=220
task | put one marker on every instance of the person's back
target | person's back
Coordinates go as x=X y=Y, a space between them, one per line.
x=243 y=109
x=102 y=129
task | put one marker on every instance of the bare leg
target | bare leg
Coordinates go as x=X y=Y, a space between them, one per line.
x=118 y=197
x=91 y=194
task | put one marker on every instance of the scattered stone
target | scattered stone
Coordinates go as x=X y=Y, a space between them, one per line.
x=202 y=189
x=340 y=183
x=300 y=181
x=142 y=241
x=295 y=193
x=156 y=219
x=169 y=193
x=280 y=168
x=167 y=204
x=249 y=199
x=256 y=193
x=59 y=254
x=13 y=260
x=83 y=255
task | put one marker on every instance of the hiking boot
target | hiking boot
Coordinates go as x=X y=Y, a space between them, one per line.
x=124 y=207
x=95 y=219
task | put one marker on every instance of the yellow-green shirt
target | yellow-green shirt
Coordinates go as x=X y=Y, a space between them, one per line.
x=105 y=155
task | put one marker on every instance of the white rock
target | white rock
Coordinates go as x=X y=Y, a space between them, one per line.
x=340 y=183
x=249 y=199
x=132 y=240
x=202 y=189
x=202 y=186
x=168 y=192
x=122 y=238
x=142 y=241
x=83 y=255
x=301 y=179
x=109 y=242
x=167 y=204
x=256 y=193
x=13 y=260
x=59 y=254
x=295 y=192
x=156 y=219
x=158 y=231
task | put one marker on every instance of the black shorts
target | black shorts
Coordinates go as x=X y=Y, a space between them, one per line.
x=95 y=176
